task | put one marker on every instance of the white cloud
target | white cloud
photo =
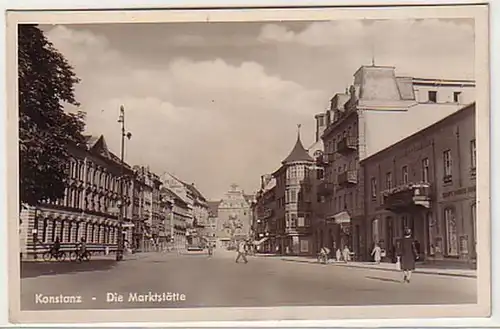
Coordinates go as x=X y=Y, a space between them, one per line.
x=209 y=122
x=432 y=43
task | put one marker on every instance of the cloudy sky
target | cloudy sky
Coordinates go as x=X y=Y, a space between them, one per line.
x=219 y=103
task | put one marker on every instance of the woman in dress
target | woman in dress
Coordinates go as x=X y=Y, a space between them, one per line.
x=377 y=253
x=407 y=255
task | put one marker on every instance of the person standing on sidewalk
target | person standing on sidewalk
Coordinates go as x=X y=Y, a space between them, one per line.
x=241 y=252
x=346 y=254
x=407 y=254
x=377 y=253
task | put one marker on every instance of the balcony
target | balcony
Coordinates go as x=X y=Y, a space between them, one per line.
x=298 y=230
x=347 y=178
x=324 y=160
x=406 y=197
x=325 y=188
x=347 y=145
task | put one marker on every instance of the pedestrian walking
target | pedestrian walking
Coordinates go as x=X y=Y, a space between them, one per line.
x=338 y=255
x=347 y=254
x=377 y=253
x=407 y=254
x=241 y=252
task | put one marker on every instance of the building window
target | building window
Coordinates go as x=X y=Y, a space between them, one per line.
x=425 y=170
x=375 y=231
x=404 y=172
x=447 y=163
x=293 y=220
x=374 y=188
x=388 y=180
x=473 y=153
x=451 y=232
x=432 y=96
x=456 y=96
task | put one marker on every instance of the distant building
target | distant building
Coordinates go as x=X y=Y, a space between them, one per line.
x=425 y=182
x=148 y=219
x=264 y=216
x=378 y=110
x=210 y=230
x=233 y=217
x=177 y=217
x=90 y=207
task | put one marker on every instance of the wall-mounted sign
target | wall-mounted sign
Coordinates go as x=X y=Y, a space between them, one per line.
x=461 y=191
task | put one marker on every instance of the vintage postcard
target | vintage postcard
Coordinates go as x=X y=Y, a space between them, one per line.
x=249 y=164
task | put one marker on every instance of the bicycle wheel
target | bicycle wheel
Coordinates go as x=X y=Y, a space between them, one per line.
x=62 y=256
x=47 y=256
x=73 y=256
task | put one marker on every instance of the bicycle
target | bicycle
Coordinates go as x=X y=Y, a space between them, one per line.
x=79 y=257
x=58 y=256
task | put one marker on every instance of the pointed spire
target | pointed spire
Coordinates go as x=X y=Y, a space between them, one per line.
x=298 y=153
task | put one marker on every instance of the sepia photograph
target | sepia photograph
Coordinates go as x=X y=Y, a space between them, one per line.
x=332 y=159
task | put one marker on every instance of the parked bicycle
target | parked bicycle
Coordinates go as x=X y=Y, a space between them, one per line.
x=79 y=257
x=54 y=255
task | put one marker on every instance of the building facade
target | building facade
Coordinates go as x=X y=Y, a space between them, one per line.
x=148 y=219
x=294 y=204
x=90 y=207
x=351 y=130
x=233 y=217
x=177 y=217
x=264 y=216
x=426 y=182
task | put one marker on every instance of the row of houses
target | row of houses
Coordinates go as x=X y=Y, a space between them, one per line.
x=390 y=153
x=157 y=210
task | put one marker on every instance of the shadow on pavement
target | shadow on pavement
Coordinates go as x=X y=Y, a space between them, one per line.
x=382 y=279
x=36 y=269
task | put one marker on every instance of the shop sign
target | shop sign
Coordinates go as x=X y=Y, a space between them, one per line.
x=459 y=192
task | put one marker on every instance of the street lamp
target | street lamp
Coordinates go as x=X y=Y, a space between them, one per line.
x=121 y=203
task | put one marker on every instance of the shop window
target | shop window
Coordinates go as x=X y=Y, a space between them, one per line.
x=451 y=232
x=473 y=153
x=447 y=164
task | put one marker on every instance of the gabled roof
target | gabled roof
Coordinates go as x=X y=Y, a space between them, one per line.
x=299 y=153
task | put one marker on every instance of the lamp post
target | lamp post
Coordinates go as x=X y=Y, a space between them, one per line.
x=121 y=205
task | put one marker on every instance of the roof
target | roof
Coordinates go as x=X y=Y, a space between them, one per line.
x=174 y=195
x=191 y=188
x=469 y=107
x=213 y=208
x=299 y=153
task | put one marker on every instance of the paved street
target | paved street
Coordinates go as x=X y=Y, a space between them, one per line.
x=219 y=281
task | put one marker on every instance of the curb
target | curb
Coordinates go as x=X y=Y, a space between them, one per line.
x=463 y=275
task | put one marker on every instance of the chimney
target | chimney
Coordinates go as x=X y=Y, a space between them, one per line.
x=321 y=124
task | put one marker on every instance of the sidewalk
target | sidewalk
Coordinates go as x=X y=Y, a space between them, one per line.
x=420 y=268
x=111 y=256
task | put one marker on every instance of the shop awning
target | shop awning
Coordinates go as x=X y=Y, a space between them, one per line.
x=342 y=218
x=258 y=242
